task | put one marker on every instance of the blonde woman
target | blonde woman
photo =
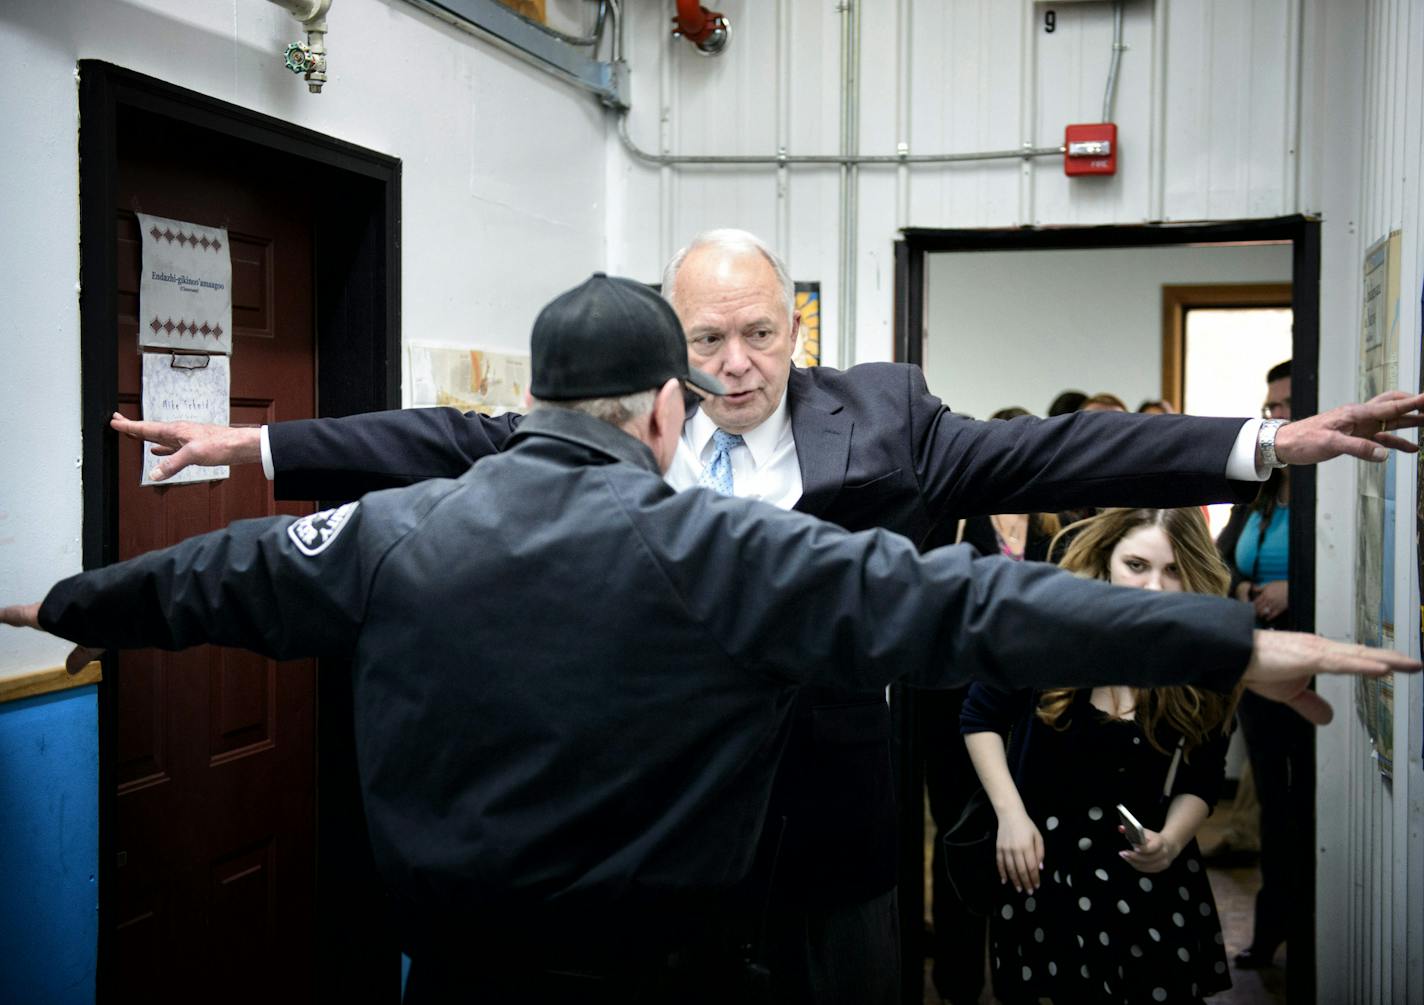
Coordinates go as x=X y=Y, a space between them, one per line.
x=1087 y=913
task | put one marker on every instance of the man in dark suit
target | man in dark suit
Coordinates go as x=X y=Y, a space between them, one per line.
x=866 y=447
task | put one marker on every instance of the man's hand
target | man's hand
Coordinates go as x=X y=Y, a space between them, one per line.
x=21 y=615
x=1361 y=431
x=28 y=616
x=1282 y=664
x=183 y=443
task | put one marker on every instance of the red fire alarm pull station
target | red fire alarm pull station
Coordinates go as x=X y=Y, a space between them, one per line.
x=1090 y=149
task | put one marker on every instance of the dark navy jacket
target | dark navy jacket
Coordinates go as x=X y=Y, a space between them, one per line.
x=573 y=684
x=876 y=449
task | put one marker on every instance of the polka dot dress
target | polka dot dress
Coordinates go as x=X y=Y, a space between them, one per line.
x=1098 y=930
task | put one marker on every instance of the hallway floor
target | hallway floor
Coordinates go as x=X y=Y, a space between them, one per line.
x=1235 y=892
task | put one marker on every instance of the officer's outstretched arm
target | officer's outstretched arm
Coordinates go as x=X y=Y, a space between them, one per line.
x=802 y=600
x=28 y=616
x=283 y=587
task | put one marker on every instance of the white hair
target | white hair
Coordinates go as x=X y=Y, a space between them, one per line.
x=736 y=241
x=617 y=411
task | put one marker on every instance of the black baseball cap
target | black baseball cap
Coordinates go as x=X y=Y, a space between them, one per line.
x=607 y=337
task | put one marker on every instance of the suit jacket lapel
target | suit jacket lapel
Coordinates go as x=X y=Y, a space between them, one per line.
x=822 y=431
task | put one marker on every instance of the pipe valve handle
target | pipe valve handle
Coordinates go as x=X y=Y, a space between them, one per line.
x=299 y=57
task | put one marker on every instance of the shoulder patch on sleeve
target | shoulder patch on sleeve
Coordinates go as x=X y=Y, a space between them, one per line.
x=313 y=534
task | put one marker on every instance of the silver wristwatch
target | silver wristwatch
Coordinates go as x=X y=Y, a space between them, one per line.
x=1266 y=440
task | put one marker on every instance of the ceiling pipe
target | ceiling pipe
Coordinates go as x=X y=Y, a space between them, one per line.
x=783 y=158
x=571 y=58
x=708 y=30
x=591 y=39
x=849 y=182
x=304 y=10
x=309 y=57
x=1110 y=91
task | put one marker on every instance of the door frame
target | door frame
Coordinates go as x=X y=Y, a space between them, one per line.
x=356 y=196
x=1303 y=232
x=1179 y=298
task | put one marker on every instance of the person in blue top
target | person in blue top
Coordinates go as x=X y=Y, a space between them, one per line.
x=1255 y=544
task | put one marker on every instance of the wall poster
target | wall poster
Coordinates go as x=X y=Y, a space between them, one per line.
x=1374 y=561
x=185 y=311
x=468 y=379
x=808 y=304
x=185 y=289
x=179 y=387
x=1419 y=504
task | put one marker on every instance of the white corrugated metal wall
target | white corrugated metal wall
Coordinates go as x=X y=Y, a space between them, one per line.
x=1226 y=110
x=1371 y=870
x=1206 y=108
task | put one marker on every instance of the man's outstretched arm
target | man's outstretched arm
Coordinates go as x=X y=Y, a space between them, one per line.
x=1110 y=459
x=283 y=587
x=334 y=459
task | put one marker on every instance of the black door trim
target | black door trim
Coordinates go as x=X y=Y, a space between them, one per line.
x=357 y=200
x=909 y=334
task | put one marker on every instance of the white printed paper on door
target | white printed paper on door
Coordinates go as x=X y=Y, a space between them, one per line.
x=178 y=388
x=185 y=294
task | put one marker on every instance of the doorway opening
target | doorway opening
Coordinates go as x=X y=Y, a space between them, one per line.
x=346 y=336
x=1086 y=306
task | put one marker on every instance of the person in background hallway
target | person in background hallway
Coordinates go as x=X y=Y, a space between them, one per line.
x=959 y=937
x=1083 y=916
x=1156 y=406
x=868 y=447
x=1103 y=401
x=1067 y=402
x=1255 y=544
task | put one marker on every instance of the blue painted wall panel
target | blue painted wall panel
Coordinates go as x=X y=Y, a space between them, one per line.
x=49 y=847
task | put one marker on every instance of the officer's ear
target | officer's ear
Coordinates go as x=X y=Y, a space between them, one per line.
x=665 y=422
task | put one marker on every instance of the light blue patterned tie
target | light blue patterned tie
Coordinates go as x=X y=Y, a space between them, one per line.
x=717 y=475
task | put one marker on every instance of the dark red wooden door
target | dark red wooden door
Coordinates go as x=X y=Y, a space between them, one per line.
x=215 y=822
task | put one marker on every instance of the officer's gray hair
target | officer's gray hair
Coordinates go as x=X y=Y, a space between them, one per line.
x=617 y=411
x=729 y=239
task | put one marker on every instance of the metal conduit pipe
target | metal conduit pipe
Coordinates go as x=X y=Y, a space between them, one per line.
x=304 y=10
x=785 y=48
x=1111 y=90
x=592 y=39
x=542 y=47
x=615 y=7
x=850 y=179
x=782 y=159
x=902 y=108
x=309 y=57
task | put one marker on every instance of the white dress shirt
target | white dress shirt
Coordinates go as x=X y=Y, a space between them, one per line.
x=765 y=467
